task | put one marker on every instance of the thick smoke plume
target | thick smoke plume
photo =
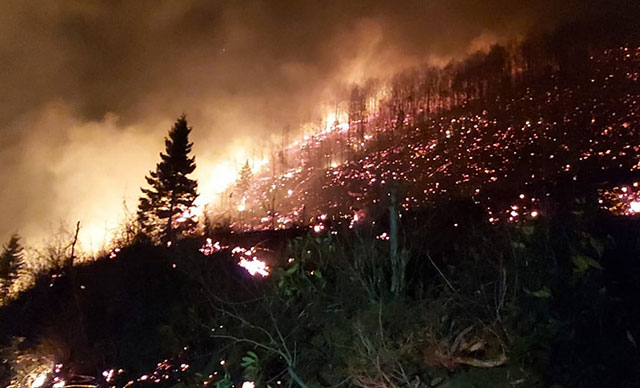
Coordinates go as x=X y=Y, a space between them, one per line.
x=89 y=88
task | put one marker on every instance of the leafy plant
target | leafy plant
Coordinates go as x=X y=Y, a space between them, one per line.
x=251 y=366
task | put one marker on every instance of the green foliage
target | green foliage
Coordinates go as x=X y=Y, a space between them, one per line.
x=252 y=369
x=171 y=191
x=225 y=382
x=544 y=293
x=309 y=256
x=583 y=263
x=316 y=251
x=297 y=281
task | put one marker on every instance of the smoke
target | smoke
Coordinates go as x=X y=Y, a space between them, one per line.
x=90 y=88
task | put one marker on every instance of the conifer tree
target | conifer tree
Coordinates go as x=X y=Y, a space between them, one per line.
x=11 y=261
x=171 y=191
x=244 y=180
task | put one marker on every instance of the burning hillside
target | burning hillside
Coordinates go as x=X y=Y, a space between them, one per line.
x=502 y=128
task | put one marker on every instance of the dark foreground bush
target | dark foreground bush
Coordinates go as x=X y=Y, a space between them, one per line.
x=549 y=301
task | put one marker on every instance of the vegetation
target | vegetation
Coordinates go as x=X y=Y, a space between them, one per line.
x=171 y=191
x=245 y=176
x=11 y=262
x=549 y=301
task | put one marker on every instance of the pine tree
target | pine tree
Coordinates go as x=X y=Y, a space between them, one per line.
x=11 y=261
x=244 y=180
x=171 y=191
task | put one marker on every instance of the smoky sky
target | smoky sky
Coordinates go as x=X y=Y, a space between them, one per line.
x=89 y=88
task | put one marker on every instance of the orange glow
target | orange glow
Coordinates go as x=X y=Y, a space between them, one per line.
x=255 y=266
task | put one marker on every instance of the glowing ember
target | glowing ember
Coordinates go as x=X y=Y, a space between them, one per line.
x=242 y=205
x=384 y=236
x=348 y=161
x=209 y=247
x=255 y=267
x=39 y=380
x=622 y=200
x=191 y=213
x=108 y=375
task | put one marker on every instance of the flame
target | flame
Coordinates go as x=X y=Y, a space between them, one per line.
x=39 y=380
x=255 y=266
x=95 y=235
x=216 y=179
x=242 y=206
x=336 y=121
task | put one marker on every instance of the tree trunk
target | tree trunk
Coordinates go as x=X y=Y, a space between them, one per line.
x=296 y=378
x=169 y=232
x=398 y=263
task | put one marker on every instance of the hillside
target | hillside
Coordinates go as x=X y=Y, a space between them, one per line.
x=502 y=134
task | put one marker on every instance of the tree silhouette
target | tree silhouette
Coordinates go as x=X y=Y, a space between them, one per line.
x=171 y=191
x=11 y=261
x=244 y=180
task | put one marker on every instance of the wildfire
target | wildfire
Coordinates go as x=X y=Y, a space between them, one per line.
x=250 y=261
x=210 y=247
x=242 y=206
x=255 y=266
x=247 y=258
x=622 y=200
x=336 y=121
x=39 y=380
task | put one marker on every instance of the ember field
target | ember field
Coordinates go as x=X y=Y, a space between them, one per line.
x=508 y=141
